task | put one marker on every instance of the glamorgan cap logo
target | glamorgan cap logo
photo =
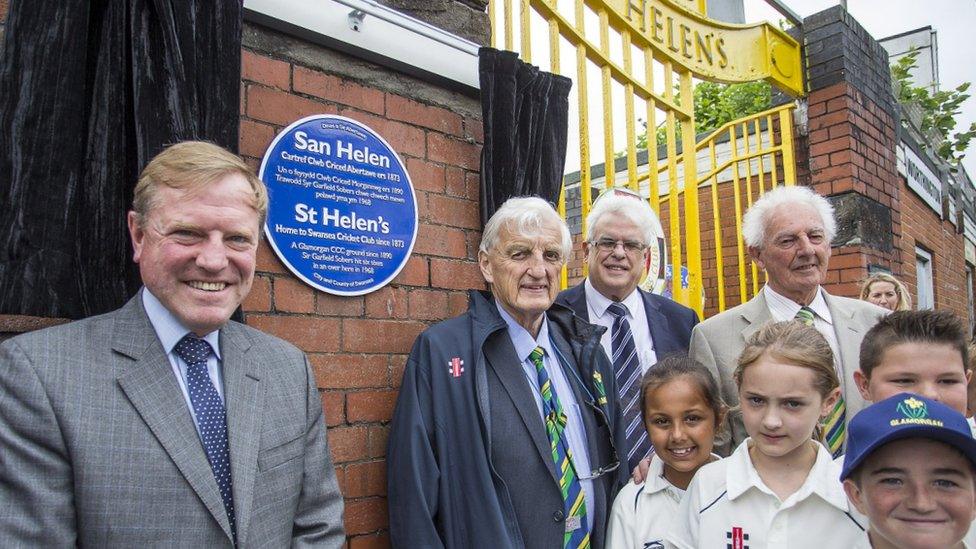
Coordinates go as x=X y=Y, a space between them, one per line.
x=915 y=412
x=913 y=408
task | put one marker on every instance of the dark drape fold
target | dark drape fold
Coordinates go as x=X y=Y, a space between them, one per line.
x=525 y=113
x=89 y=92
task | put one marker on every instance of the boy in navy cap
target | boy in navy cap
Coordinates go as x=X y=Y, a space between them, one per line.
x=910 y=468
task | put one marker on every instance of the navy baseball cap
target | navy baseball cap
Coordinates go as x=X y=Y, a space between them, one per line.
x=905 y=416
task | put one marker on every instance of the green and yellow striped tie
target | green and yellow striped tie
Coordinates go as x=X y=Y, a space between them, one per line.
x=833 y=425
x=574 y=504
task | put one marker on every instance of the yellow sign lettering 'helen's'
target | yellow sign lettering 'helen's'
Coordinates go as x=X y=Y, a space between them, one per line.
x=714 y=49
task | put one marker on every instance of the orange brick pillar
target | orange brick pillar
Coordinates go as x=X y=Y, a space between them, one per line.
x=851 y=145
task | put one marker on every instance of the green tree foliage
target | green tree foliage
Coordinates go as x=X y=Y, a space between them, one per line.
x=717 y=104
x=939 y=109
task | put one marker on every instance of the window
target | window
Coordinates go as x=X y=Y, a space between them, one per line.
x=923 y=277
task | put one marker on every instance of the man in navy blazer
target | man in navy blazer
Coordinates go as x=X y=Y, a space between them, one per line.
x=620 y=232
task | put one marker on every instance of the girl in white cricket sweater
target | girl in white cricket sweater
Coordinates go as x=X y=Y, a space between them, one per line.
x=682 y=410
x=780 y=487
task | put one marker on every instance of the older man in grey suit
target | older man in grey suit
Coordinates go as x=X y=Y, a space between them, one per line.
x=162 y=423
x=788 y=232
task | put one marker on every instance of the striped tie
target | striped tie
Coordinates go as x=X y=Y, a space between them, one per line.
x=833 y=425
x=627 y=371
x=574 y=504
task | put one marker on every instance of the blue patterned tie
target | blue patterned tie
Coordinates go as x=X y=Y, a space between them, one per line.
x=627 y=372
x=211 y=417
x=574 y=502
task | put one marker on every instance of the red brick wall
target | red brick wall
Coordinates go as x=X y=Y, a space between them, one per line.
x=852 y=145
x=358 y=345
x=923 y=228
x=851 y=148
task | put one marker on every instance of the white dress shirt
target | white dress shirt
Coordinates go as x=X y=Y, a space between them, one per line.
x=728 y=503
x=170 y=331
x=597 y=305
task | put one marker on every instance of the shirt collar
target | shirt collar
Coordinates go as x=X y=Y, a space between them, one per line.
x=168 y=328
x=741 y=475
x=655 y=481
x=818 y=305
x=522 y=339
x=599 y=303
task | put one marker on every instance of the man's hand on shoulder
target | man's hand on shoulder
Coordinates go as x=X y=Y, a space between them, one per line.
x=639 y=474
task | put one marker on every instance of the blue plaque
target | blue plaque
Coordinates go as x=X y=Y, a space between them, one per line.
x=342 y=214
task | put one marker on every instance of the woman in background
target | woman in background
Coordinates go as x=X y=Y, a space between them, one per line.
x=886 y=291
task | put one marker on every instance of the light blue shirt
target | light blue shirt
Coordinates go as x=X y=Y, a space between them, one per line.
x=170 y=331
x=575 y=432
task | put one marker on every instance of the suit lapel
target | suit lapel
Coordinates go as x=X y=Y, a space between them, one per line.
x=148 y=382
x=589 y=425
x=501 y=357
x=244 y=395
x=849 y=335
x=658 y=325
x=754 y=314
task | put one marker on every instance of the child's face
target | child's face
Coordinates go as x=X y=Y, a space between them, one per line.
x=917 y=493
x=781 y=406
x=681 y=426
x=933 y=370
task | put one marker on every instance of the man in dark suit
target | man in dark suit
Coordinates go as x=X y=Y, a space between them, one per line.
x=163 y=423
x=503 y=435
x=641 y=327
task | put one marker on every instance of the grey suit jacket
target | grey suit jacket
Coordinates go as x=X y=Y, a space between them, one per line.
x=718 y=342
x=98 y=448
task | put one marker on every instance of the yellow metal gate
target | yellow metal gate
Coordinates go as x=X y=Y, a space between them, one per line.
x=646 y=55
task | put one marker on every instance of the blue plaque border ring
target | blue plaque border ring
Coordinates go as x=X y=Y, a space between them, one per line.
x=343 y=202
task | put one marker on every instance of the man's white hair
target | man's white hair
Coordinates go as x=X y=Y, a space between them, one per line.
x=527 y=216
x=630 y=207
x=756 y=219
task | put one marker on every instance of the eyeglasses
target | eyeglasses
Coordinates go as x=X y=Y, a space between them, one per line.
x=631 y=247
x=614 y=459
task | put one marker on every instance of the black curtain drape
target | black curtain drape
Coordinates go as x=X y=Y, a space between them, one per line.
x=90 y=90
x=525 y=113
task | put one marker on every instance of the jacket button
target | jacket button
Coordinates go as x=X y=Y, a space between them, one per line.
x=558 y=516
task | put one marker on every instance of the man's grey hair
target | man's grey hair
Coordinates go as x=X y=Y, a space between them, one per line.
x=630 y=207
x=527 y=216
x=756 y=219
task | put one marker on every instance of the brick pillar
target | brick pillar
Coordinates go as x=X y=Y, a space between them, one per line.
x=853 y=121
